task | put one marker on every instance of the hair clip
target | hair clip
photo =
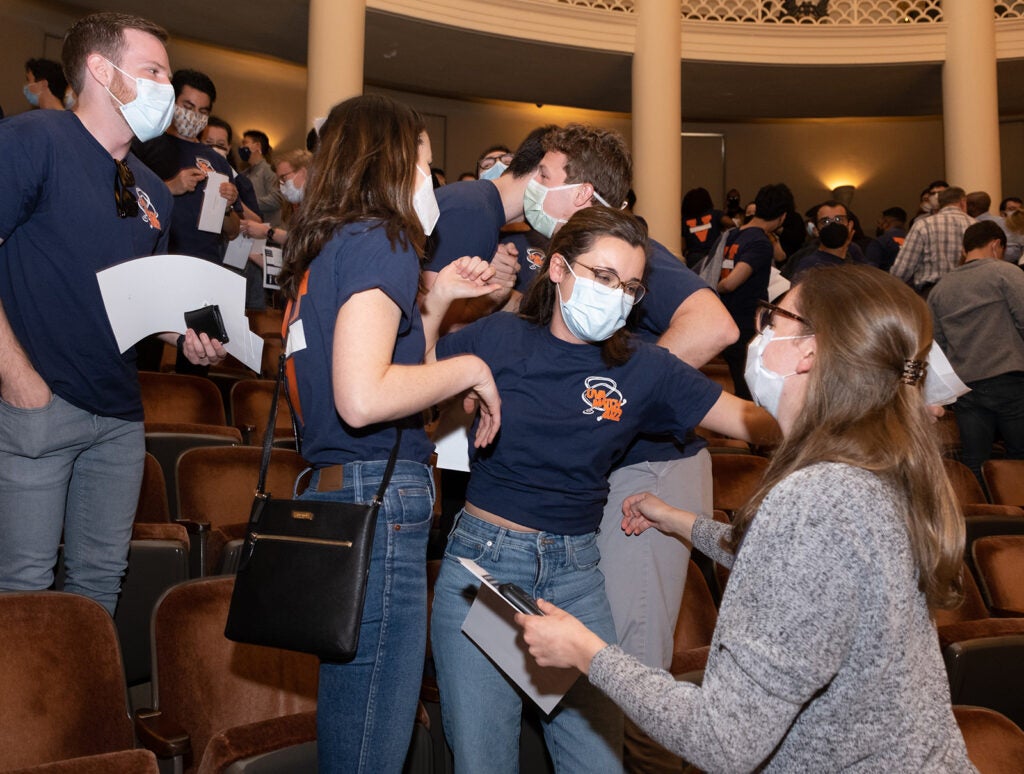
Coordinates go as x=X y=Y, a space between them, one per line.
x=913 y=370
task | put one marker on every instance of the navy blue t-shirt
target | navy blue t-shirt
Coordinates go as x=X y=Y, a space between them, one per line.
x=750 y=246
x=167 y=155
x=59 y=226
x=359 y=257
x=471 y=216
x=881 y=252
x=669 y=283
x=566 y=418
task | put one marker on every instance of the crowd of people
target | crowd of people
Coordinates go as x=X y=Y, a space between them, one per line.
x=529 y=290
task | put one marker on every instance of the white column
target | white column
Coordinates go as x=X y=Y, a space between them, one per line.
x=970 y=100
x=335 y=58
x=657 y=119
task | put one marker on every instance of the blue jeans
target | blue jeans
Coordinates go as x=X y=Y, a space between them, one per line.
x=480 y=707
x=366 y=708
x=993 y=405
x=63 y=469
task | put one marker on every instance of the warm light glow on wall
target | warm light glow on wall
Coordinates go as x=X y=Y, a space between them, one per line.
x=832 y=182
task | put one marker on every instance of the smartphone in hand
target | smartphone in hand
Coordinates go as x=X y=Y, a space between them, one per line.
x=519 y=599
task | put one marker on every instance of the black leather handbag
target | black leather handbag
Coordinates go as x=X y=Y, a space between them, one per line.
x=301 y=579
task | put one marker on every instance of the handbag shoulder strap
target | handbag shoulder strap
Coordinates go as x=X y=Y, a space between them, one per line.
x=268 y=440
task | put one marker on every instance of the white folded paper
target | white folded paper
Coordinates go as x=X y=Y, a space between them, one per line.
x=151 y=295
x=237 y=253
x=491 y=625
x=211 y=216
x=941 y=384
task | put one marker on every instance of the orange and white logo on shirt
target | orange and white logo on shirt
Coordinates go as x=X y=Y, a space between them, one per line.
x=602 y=397
x=204 y=165
x=147 y=210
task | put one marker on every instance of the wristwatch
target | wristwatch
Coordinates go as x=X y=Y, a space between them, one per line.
x=270 y=233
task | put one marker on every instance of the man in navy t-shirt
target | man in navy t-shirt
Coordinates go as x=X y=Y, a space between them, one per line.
x=746 y=271
x=183 y=162
x=76 y=201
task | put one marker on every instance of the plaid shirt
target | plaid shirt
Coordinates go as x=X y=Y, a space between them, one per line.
x=932 y=248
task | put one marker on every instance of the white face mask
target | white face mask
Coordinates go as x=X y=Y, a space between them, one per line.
x=425 y=203
x=765 y=386
x=150 y=113
x=593 y=312
x=290 y=192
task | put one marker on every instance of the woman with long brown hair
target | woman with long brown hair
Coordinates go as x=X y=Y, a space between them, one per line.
x=356 y=339
x=825 y=656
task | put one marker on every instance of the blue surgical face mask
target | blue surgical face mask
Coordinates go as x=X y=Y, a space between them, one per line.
x=31 y=96
x=494 y=172
x=593 y=312
x=152 y=110
x=533 y=206
x=425 y=203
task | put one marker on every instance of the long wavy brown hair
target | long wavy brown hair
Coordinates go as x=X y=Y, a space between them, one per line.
x=572 y=240
x=364 y=169
x=859 y=411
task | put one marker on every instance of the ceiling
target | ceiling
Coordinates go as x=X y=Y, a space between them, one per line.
x=411 y=55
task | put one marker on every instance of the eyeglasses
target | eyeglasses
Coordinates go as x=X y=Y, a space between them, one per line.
x=609 y=279
x=489 y=161
x=766 y=316
x=285 y=177
x=127 y=204
x=840 y=219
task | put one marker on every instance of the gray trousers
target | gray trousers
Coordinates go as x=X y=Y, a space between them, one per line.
x=645 y=575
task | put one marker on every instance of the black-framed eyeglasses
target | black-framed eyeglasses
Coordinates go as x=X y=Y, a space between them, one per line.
x=124 y=181
x=840 y=219
x=634 y=290
x=766 y=316
x=489 y=161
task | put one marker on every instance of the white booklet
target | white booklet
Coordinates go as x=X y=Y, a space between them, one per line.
x=491 y=625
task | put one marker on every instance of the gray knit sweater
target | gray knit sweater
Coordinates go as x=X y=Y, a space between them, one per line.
x=824 y=657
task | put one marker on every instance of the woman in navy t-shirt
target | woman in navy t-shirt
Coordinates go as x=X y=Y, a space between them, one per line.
x=575 y=390
x=356 y=375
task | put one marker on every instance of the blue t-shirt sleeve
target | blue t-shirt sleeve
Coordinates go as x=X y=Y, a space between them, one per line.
x=684 y=395
x=23 y=161
x=669 y=284
x=370 y=263
x=466 y=340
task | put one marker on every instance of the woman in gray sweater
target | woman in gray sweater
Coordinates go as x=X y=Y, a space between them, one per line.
x=824 y=657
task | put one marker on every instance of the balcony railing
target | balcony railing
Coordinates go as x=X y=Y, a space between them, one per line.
x=809 y=11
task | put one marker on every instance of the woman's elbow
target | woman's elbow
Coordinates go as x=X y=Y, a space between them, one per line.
x=354 y=409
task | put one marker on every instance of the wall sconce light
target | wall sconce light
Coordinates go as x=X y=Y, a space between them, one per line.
x=844 y=194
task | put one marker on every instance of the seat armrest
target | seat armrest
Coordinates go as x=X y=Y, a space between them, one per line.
x=160 y=734
x=193 y=527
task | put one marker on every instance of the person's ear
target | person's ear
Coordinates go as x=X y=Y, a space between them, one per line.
x=583 y=196
x=99 y=69
x=806 y=355
x=556 y=268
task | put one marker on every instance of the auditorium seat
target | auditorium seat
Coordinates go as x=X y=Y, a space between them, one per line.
x=250 y=410
x=999 y=560
x=63 y=693
x=994 y=744
x=217 y=701
x=1005 y=481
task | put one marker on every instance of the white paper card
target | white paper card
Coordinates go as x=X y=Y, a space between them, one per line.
x=491 y=625
x=273 y=260
x=777 y=284
x=151 y=295
x=211 y=216
x=237 y=253
x=296 y=341
x=451 y=438
x=941 y=384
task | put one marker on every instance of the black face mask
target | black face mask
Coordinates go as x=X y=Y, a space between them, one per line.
x=833 y=235
x=244 y=153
